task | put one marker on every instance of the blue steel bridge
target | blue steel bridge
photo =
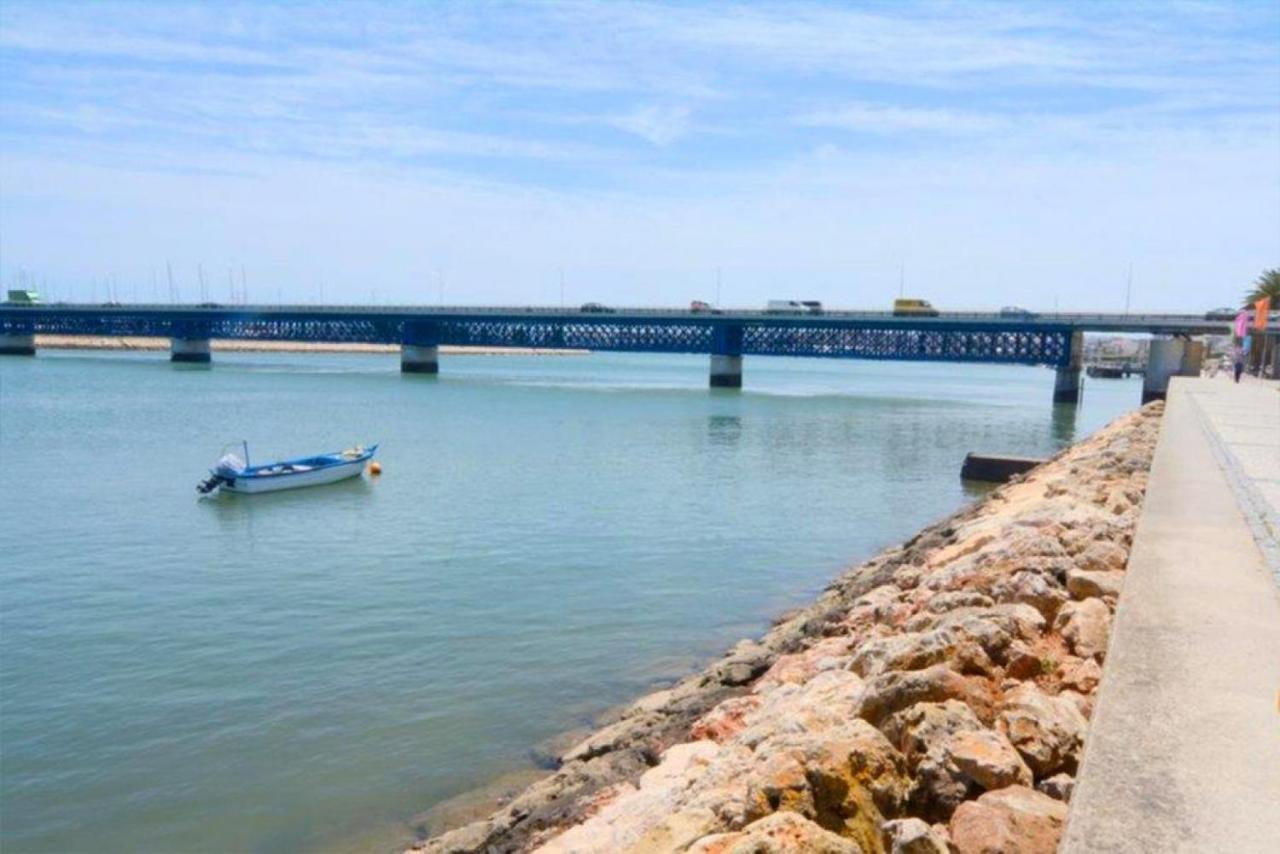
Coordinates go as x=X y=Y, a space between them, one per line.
x=1052 y=340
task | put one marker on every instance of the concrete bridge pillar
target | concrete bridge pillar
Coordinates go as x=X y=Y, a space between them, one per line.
x=420 y=348
x=17 y=344
x=1192 y=358
x=726 y=356
x=1066 y=382
x=1169 y=357
x=726 y=371
x=419 y=359
x=189 y=350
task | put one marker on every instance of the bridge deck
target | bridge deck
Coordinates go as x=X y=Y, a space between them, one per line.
x=1036 y=339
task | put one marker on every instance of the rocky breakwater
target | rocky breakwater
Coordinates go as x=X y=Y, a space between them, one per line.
x=933 y=699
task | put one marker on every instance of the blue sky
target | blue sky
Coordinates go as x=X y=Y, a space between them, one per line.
x=988 y=153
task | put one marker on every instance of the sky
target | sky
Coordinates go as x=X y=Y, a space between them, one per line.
x=974 y=154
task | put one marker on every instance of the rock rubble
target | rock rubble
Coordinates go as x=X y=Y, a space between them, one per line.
x=935 y=698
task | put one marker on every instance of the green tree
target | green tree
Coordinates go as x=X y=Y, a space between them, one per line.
x=1267 y=285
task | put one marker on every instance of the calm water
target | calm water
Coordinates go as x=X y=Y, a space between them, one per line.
x=552 y=536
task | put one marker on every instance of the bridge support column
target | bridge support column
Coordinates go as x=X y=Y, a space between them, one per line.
x=1192 y=358
x=726 y=371
x=419 y=359
x=1066 y=382
x=1169 y=357
x=17 y=344
x=726 y=356
x=189 y=350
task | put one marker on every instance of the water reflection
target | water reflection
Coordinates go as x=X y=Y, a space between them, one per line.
x=235 y=513
x=1063 y=423
x=724 y=429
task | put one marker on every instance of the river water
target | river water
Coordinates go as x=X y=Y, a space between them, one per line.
x=552 y=536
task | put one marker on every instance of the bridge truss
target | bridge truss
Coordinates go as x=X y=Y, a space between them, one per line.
x=924 y=339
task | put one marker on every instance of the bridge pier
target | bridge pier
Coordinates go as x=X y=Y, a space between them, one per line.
x=726 y=371
x=1066 y=381
x=1169 y=357
x=419 y=359
x=190 y=350
x=17 y=344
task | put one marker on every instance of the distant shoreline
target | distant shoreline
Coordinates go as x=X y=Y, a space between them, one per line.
x=134 y=342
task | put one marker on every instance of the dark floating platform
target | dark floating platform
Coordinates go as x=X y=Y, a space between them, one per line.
x=995 y=468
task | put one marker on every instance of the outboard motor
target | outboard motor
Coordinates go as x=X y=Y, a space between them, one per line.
x=224 y=471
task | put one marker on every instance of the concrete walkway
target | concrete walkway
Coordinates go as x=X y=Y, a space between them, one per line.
x=1184 y=747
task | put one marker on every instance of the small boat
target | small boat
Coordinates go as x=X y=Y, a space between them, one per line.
x=233 y=473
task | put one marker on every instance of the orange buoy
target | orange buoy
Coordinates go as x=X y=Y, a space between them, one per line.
x=375 y=467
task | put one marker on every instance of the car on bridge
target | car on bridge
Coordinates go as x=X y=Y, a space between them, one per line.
x=23 y=297
x=1016 y=311
x=595 y=308
x=793 y=306
x=907 y=307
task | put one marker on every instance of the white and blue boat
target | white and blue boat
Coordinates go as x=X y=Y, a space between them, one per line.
x=233 y=473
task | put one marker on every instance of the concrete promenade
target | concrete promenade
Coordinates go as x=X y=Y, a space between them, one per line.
x=1183 y=751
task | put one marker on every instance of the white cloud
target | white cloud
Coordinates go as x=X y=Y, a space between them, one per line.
x=659 y=125
x=874 y=118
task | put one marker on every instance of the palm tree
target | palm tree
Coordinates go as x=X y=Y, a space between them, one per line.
x=1267 y=285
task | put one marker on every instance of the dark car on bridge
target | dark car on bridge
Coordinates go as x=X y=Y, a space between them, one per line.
x=595 y=308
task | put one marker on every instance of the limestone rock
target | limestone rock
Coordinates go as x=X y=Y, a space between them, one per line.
x=678 y=831
x=847 y=777
x=1080 y=674
x=1048 y=732
x=969 y=642
x=1034 y=589
x=1014 y=820
x=779 y=833
x=1086 y=626
x=987 y=758
x=941 y=602
x=1103 y=556
x=912 y=836
x=890 y=692
x=1083 y=584
x=1022 y=662
x=1059 y=787
x=726 y=719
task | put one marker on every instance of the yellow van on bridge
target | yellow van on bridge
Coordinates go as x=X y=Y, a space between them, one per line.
x=916 y=307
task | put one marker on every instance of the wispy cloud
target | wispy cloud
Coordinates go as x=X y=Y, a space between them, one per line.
x=659 y=125
x=878 y=119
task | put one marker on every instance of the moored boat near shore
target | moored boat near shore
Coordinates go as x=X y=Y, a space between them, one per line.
x=234 y=474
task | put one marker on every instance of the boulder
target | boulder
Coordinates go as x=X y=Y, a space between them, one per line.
x=912 y=836
x=779 y=833
x=1083 y=583
x=988 y=759
x=970 y=642
x=1085 y=626
x=1103 y=556
x=725 y=720
x=890 y=692
x=952 y=599
x=1034 y=589
x=1059 y=787
x=679 y=830
x=1080 y=674
x=1022 y=662
x=1048 y=732
x=845 y=777
x=1014 y=820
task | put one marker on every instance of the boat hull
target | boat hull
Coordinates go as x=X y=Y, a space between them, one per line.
x=253 y=484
